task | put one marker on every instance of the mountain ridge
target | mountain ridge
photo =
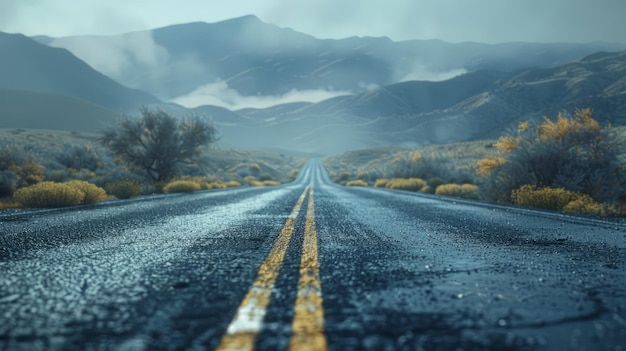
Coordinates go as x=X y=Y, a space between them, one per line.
x=28 y=65
x=255 y=58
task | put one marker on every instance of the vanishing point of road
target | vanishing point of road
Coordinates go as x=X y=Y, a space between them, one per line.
x=309 y=265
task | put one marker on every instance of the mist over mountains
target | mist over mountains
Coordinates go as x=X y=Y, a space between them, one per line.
x=273 y=88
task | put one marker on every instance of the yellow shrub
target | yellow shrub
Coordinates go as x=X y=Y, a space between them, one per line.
x=416 y=156
x=381 y=182
x=29 y=173
x=181 y=186
x=585 y=205
x=49 y=194
x=8 y=205
x=563 y=127
x=124 y=189
x=507 y=143
x=204 y=185
x=486 y=165
x=357 y=182
x=426 y=189
x=468 y=191
x=557 y=199
x=264 y=183
x=216 y=185
x=93 y=193
x=547 y=198
x=232 y=183
x=414 y=184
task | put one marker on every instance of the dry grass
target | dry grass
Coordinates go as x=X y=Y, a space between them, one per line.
x=557 y=199
x=49 y=194
x=357 y=182
x=414 y=184
x=467 y=191
x=181 y=186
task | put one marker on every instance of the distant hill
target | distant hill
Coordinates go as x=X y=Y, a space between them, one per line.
x=259 y=59
x=477 y=105
x=28 y=65
x=27 y=109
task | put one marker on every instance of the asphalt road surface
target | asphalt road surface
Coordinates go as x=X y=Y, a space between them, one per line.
x=309 y=266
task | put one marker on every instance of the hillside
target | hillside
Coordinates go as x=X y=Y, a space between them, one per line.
x=28 y=65
x=27 y=109
x=245 y=57
x=477 y=105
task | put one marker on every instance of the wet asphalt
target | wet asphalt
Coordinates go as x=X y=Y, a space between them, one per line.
x=398 y=271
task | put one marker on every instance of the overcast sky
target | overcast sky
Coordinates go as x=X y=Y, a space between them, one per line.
x=489 y=21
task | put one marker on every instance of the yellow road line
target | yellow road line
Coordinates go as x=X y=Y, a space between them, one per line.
x=248 y=320
x=308 y=321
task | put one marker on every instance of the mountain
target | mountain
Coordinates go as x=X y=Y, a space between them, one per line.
x=246 y=57
x=28 y=109
x=30 y=66
x=476 y=105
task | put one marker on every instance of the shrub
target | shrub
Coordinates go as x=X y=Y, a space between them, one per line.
x=254 y=168
x=159 y=143
x=28 y=173
x=294 y=174
x=357 y=182
x=434 y=182
x=381 y=182
x=572 y=153
x=264 y=183
x=49 y=194
x=93 y=194
x=343 y=176
x=85 y=156
x=124 y=189
x=467 y=191
x=232 y=184
x=8 y=183
x=181 y=186
x=216 y=185
x=556 y=199
x=415 y=184
x=585 y=205
x=426 y=166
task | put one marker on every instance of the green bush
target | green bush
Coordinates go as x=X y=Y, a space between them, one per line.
x=93 y=194
x=49 y=194
x=181 y=186
x=124 y=189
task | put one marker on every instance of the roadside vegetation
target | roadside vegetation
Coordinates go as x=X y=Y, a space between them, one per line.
x=157 y=153
x=570 y=164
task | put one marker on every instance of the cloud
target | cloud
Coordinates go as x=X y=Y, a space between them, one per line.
x=419 y=71
x=220 y=94
x=134 y=58
x=114 y=55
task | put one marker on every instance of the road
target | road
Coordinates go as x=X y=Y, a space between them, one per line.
x=309 y=266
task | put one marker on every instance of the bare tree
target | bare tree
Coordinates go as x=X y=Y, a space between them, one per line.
x=159 y=143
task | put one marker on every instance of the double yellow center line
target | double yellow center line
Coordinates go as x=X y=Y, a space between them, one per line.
x=308 y=322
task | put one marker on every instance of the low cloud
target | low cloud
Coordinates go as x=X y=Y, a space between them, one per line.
x=220 y=94
x=114 y=55
x=419 y=71
x=134 y=59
